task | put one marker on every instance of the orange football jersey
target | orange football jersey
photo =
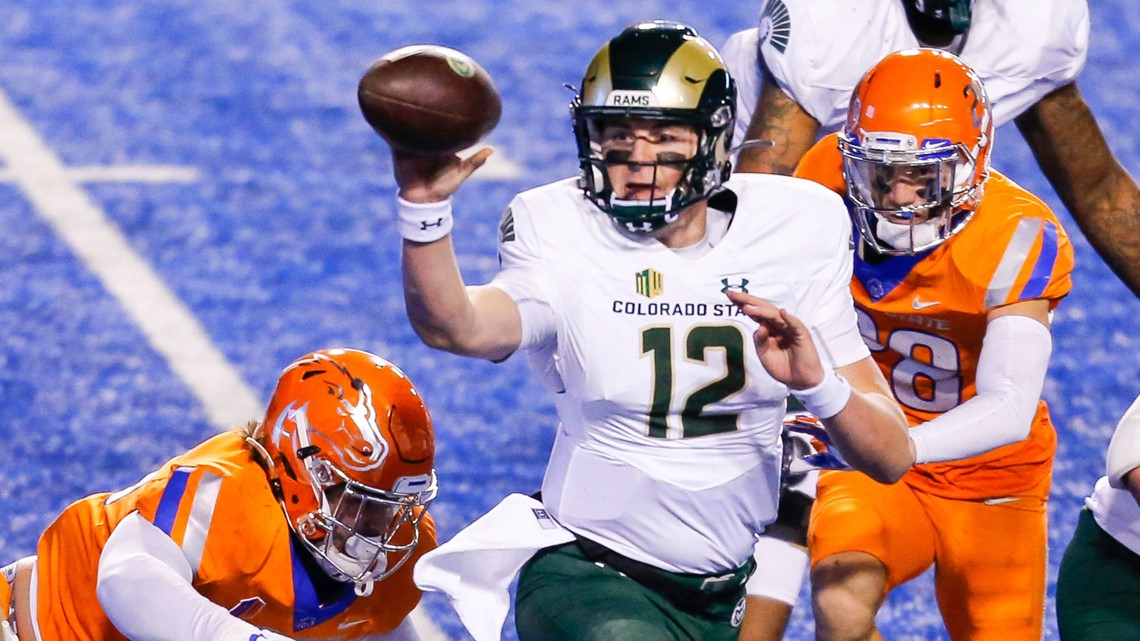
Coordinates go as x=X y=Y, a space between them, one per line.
x=215 y=503
x=924 y=318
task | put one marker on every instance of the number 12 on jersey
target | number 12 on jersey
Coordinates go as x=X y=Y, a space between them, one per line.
x=658 y=342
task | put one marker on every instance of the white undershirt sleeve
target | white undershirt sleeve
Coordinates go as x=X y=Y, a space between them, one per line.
x=1011 y=372
x=144 y=587
x=1124 y=450
x=538 y=322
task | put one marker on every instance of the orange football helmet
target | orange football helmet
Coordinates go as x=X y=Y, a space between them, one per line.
x=352 y=453
x=916 y=149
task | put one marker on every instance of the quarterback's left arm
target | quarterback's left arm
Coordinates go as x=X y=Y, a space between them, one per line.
x=1099 y=193
x=871 y=430
x=853 y=401
x=1011 y=373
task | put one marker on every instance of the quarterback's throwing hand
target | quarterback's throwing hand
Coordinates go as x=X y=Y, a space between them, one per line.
x=783 y=342
x=434 y=178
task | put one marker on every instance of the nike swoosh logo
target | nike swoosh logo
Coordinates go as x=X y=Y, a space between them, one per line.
x=920 y=304
x=1004 y=499
x=350 y=624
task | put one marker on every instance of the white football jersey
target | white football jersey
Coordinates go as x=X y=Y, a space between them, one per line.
x=1112 y=505
x=1117 y=513
x=818 y=49
x=668 y=449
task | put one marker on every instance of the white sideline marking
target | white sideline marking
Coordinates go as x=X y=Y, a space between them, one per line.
x=122 y=173
x=169 y=326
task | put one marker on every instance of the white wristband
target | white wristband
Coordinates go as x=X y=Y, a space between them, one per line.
x=826 y=399
x=423 y=222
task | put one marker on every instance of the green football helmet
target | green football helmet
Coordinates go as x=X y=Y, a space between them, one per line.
x=658 y=71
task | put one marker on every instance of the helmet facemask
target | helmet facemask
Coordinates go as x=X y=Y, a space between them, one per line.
x=941 y=180
x=349 y=450
x=655 y=74
x=700 y=173
x=916 y=150
x=361 y=534
x=946 y=18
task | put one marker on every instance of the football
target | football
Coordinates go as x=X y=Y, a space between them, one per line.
x=428 y=99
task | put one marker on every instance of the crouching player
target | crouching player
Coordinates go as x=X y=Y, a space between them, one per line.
x=303 y=526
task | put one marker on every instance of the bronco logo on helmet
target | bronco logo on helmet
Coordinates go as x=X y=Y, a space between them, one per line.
x=350 y=449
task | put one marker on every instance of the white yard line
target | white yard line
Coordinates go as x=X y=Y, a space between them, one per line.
x=122 y=173
x=169 y=326
x=166 y=322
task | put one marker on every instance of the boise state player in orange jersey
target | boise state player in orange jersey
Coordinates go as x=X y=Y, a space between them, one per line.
x=303 y=526
x=957 y=272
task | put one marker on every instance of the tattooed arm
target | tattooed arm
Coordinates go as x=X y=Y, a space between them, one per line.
x=1098 y=192
x=780 y=119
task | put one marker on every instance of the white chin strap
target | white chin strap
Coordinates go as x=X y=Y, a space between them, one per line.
x=363 y=589
x=899 y=235
x=356 y=560
x=662 y=203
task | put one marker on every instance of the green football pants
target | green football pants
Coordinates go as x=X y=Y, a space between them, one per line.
x=563 y=596
x=1098 y=588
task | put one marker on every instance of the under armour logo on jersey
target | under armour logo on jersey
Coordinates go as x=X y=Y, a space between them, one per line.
x=741 y=287
x=424 y=225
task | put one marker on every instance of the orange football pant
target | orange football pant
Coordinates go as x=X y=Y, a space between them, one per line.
x=990 y=557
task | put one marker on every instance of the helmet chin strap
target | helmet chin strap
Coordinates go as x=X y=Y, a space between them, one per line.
x=662 y=207
x=363 y=588
x=898 y=235
x=663 y=203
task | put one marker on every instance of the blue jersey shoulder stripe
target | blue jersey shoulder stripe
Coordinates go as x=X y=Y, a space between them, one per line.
x=171 y=499
x=1043 y=269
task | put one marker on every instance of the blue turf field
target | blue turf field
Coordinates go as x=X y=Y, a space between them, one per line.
x=261 y=200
